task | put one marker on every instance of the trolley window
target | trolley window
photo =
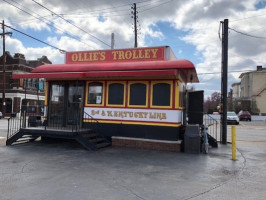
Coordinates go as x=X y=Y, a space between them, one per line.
x=138 y=94
x=161 y=94
x=95 y=93
x=116 y=94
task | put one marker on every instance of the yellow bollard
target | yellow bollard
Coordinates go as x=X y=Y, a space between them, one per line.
x=233 y=142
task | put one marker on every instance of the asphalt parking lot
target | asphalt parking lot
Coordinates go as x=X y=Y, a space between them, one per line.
x=52 y=171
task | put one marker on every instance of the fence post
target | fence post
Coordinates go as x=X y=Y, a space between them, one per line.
x=8 y=128
x=24 y=119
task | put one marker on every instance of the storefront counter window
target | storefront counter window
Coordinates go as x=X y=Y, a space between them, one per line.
x=95 y=93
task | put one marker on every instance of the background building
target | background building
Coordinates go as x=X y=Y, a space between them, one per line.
x=20 y=93
x=236 y=90
x=250 y=93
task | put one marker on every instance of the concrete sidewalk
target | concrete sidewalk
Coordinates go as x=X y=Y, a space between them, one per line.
x=51 y=171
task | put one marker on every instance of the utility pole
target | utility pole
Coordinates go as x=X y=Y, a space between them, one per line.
x=112 y=41
x=224 y=80
x=134 y=12
x=4 y=69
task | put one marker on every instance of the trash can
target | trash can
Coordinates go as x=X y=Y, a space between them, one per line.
x=34 y=121
x=192 y=139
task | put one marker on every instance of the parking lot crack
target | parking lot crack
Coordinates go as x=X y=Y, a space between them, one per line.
x=132 y=192
x=23 y=167
x=222 y=183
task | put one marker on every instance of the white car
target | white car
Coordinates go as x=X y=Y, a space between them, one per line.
x=1 y=115
x=232 y=118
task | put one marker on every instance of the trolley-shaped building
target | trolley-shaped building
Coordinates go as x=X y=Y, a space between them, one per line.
x=135 y=96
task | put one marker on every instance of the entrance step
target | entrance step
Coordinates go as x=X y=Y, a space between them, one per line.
x=87 y=138
x=91 y=140
x=22 y=139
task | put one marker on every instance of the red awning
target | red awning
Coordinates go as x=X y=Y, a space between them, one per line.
x=115 y=69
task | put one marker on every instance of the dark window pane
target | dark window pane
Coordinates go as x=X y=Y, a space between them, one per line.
x=95 y=93
x=161 y=94
x=137 y=94
x=116 y=94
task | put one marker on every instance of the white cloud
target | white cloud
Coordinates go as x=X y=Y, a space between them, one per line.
x=199 y=18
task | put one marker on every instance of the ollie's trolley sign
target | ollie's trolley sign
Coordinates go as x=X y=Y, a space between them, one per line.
x=124 y=55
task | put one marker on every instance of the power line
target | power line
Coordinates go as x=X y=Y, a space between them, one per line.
x=231 y=21
x=41 y=19
x=107 y=14
x=94 y=13
x=22 y=10
x=258 y=37
x=99 y=11
x=155 y=6
x=151 y=3
x=61 y=50
x=72 y=23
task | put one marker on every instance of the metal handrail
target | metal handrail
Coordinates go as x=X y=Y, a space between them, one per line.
x=14 y=124
x=212 y=125
x=92 y=123
x=26 y=120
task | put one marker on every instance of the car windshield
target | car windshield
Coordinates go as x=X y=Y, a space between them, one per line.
x=231 y=114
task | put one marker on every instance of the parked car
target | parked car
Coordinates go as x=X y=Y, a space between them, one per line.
x=244 y=115
x=215 y=113
x=1 y=115
x=232 y=118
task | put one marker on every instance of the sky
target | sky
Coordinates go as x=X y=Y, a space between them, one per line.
x=190 y=27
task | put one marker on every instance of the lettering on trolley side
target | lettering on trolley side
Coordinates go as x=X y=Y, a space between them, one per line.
x=135 y=54
x=129 y=114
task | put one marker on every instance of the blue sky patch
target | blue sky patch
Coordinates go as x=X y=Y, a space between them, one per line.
x=260 y=5
x=101 y=18
x=180 y=48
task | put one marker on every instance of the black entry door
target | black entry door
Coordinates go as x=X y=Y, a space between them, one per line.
x=195 y=107
x=65 y=103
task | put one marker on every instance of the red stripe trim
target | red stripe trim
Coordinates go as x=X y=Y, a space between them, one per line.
x=146 y=68
x=98 y=74
x=136 y=121
x=132 y=73
x=116 y=66
x=50 y=75
x=131 y=107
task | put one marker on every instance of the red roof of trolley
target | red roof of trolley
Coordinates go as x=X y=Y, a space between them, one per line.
x=115 y=69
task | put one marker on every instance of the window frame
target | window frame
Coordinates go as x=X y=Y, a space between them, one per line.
x=171 y=94
x=147 y=96
x=87 y=93
x=107 y=94
x=178 y=95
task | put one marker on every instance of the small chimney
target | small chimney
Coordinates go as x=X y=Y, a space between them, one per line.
x=259 y=68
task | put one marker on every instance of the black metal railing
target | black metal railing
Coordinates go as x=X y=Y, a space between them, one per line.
x=14 y=124
x=22 y=119
x=212 y=125
x=91 y=122
x=59 y=122
x=74 y=123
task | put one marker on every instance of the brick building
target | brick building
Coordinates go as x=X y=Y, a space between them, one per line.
x=20 y=93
